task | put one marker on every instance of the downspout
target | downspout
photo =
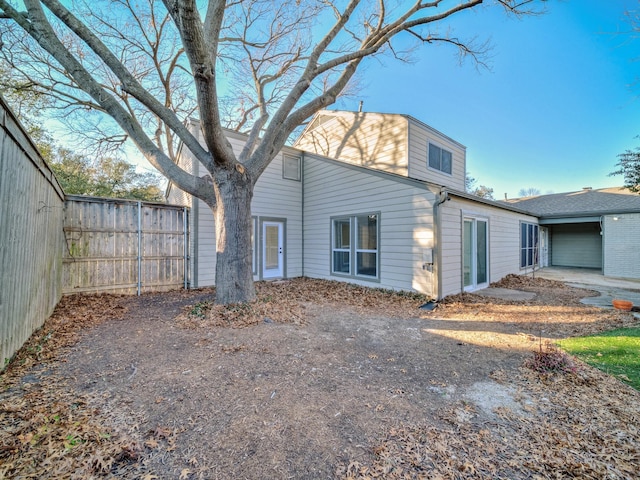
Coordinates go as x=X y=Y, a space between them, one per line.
x=441 y=197
x=139 y=247
x=195 y=238
x=302 y=159
x=185 y=239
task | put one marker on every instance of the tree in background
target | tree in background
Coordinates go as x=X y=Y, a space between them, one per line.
x=629 y=167
x=528 y=192
x=629 y=162
x=266 y=65
x=481 y=191
x=106 y=177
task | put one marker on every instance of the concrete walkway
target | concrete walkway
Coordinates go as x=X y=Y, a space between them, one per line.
x=609 y=288
x=587 y=276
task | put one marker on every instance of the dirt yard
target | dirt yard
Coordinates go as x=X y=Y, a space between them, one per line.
x=317 y=380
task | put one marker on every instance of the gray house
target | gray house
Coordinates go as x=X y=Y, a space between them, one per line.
x=378 y=200
x=597 y=229
x=371 y=199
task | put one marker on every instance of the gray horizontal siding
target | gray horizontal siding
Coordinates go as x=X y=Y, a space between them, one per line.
x=504 y=241
x=419 y=138
x=406 y=222
x=367 y=139
x=274 y=197
x=280 y=198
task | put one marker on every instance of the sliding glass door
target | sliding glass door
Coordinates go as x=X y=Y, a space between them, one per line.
x=475 y=253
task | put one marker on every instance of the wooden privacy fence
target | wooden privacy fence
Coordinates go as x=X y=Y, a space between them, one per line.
x=31 y=209
x=124 y=246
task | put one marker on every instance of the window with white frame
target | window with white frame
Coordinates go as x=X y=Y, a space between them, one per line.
x=440 y=159
x=291 y=167
x=355 y=245
x=529 y=235
x=342 y=246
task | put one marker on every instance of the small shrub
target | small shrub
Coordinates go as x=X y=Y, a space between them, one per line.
x=200 y=309
x=550 y=359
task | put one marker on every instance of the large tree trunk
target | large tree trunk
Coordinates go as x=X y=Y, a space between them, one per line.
x=234 y=269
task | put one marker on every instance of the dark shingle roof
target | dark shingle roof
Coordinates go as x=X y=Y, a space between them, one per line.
x=581 y=203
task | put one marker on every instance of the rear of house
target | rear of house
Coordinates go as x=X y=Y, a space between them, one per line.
x=388 y=142
x=434 y=238
x=481 y=242
x=391 y=214
x=367 y=227
x=385 y=230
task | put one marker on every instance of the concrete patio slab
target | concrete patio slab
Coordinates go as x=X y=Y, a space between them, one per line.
x=505 y=294
x=608 y=287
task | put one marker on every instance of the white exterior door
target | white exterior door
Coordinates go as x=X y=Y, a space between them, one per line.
x=543 y=247
x=272 y=250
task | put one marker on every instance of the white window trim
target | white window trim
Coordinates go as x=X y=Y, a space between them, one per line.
x=438 y=169
x=254 y=245
x=353 y=250
x=335 y=249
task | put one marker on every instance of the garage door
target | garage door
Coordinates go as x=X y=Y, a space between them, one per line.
x=576 y=245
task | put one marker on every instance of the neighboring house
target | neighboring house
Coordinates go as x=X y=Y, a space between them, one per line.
x=388 y=211
x=597 y=229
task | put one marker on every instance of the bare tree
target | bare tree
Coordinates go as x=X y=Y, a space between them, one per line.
x=138 y=64
x=471 y=186
x=529 y=192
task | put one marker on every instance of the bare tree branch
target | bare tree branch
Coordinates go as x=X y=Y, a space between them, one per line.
x=129 y=83
x=192 y=31
x=260 y=66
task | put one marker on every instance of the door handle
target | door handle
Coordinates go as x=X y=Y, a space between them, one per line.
x=280 y=250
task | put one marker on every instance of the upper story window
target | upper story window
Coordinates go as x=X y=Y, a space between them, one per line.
x=440 y=159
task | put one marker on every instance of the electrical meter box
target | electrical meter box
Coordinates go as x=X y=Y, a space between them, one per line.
x=427 y=255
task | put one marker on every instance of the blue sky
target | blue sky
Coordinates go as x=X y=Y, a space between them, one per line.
x=561 y=101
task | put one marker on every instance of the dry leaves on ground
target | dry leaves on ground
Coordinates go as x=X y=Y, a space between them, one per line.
x=285 y=302
x=556 y=308
x=565 y=430
x=576 y=425
x=47 y=431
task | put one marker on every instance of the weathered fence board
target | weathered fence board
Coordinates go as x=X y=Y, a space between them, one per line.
x=50 y=245
x=31 y=237
x=123 y=246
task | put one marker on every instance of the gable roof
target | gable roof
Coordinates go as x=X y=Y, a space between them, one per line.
x=585 y=202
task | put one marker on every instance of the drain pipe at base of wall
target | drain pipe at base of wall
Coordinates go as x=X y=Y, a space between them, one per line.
x=441 y=197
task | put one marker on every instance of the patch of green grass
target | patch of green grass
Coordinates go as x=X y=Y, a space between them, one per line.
x=616 y=352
